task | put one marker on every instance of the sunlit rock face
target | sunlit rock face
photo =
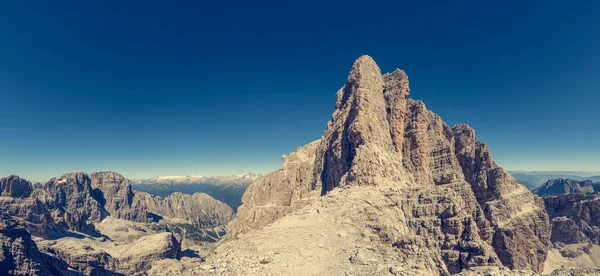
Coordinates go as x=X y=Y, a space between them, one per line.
x=448 y=194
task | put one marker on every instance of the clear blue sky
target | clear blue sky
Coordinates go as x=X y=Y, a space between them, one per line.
x=218 y=88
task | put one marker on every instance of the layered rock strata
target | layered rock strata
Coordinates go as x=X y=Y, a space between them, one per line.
x=447 y=194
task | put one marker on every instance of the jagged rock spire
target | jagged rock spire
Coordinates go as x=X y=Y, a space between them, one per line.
x=448 y=194
x=357 y=142
x=396 y=90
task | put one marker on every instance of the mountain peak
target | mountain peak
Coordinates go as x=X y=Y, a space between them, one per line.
x=15 y=186
x=419 y=178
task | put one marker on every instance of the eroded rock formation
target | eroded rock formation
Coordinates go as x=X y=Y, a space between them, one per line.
x=443 y=191
x=115 y=194
x=575 y=218
x=14 y=186
x=19 y=255
x=67 y=211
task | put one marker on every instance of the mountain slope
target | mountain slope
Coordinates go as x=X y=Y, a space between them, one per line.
x=388 y=188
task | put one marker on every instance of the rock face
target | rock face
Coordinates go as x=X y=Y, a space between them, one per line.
x=70 y=199
x=575 y=218
x=33 y=215
x=115 y=194
x=284 y=191
x=14 y=186
x=575 y=237
x=19 y=254
x=562 y=186
x=357 y=146
x=520 y=222
x=430 y=188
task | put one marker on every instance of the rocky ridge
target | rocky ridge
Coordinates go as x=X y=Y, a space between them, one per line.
x=432 y=193
x=19 y=255
x=67 y=216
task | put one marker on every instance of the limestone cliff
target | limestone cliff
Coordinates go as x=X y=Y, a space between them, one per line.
x=430 y=188
x=115 y=194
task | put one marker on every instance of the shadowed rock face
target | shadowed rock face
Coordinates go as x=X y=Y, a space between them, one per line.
x=116 y=196
x=284 y=190
x=14 y=186
x=19 y=255
x=575 y=237
x=472 y=211
x=575 y=218
x=70 y=200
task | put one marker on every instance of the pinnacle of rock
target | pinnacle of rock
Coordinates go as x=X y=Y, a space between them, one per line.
x=359 y=131
x=428 y=187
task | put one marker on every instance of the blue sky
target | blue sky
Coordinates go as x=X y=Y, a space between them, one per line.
x=194 y=88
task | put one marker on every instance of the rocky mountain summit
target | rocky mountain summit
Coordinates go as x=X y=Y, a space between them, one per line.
x=389 y=189
x=97 y=225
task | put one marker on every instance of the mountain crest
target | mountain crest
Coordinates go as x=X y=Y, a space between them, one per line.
x=441 y=190
x=357 y=145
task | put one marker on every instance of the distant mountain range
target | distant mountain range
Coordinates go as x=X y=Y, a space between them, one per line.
x=535 y=179
x=561 y=186
x=228 y=189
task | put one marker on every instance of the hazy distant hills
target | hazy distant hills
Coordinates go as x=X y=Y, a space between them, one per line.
x=535 y=179
x=228 y=189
